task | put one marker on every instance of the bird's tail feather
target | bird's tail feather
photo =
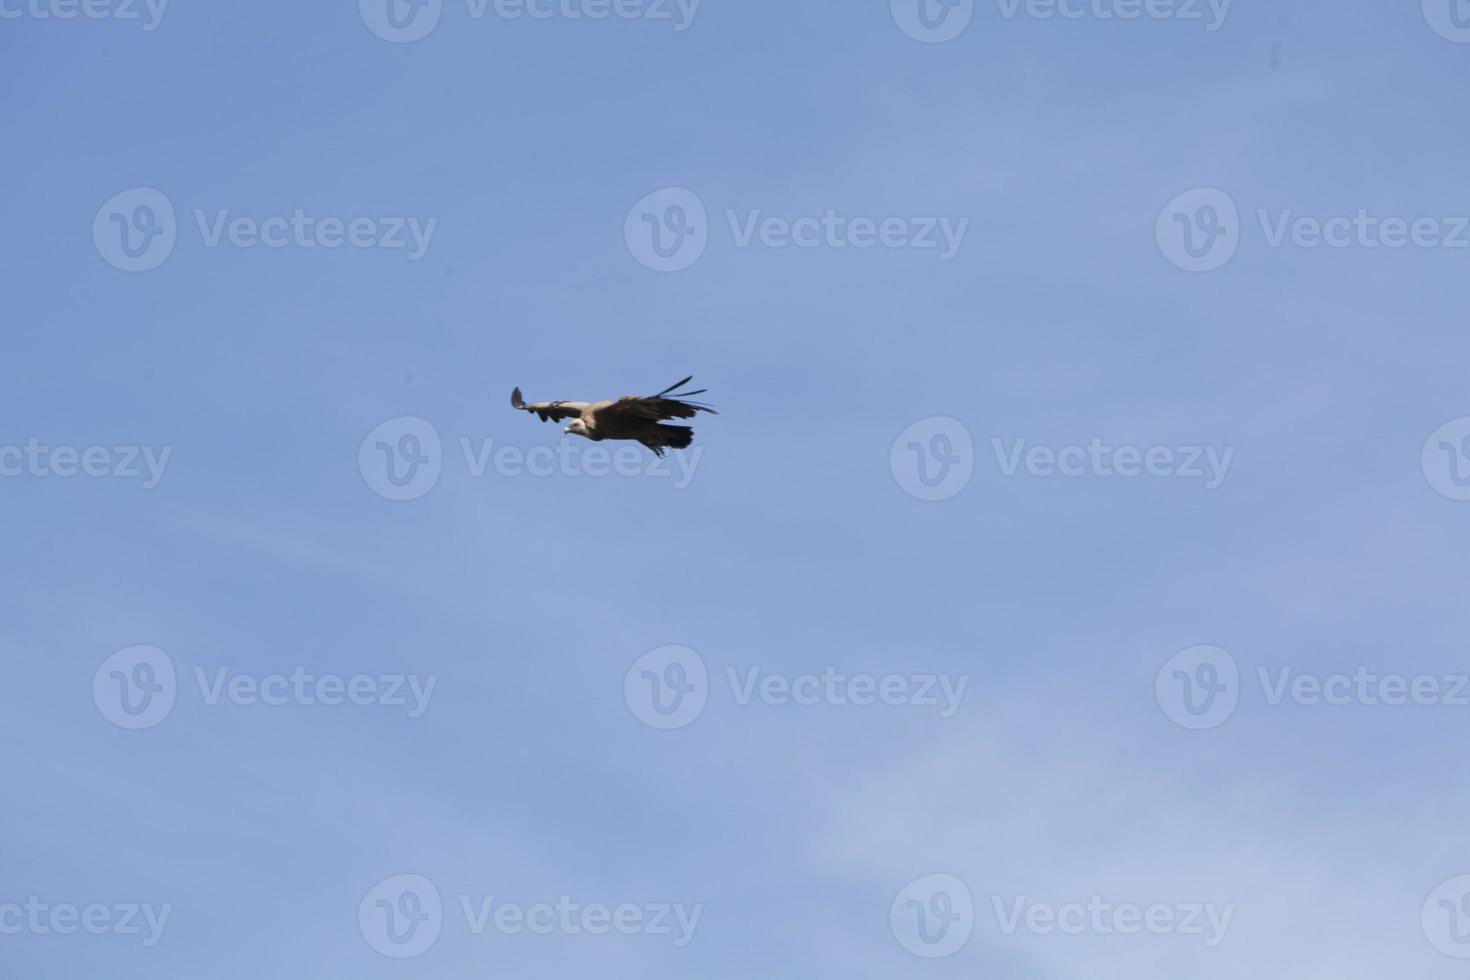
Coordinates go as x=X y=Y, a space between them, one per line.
x=677 y=436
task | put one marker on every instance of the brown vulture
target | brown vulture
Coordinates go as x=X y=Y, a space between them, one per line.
x=635 y=417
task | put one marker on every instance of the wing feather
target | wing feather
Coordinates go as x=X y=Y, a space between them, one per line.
x=667 y=404
x=548 y=411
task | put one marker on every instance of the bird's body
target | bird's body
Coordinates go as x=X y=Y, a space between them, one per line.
x=637 y=418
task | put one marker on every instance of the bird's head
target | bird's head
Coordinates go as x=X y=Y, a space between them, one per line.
x=577 y=428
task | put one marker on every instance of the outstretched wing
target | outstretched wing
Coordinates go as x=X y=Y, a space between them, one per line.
x=667 y=404
x=548 y=411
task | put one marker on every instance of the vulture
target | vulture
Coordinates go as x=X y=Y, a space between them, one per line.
x=636 y=417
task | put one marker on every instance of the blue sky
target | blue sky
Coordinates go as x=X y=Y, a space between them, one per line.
x=1070 y=772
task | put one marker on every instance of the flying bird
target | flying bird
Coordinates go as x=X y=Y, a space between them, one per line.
x=636 y=417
